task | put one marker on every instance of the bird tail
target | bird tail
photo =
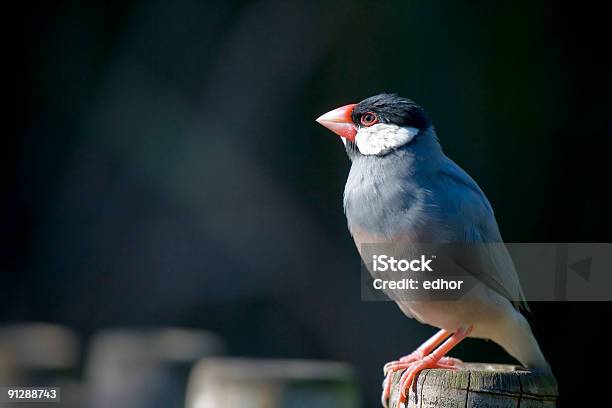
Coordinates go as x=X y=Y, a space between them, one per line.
x=516 y=337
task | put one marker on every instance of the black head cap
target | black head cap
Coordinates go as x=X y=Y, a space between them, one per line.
x=391 y=108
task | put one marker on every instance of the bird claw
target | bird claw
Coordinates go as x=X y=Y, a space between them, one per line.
x=426 y=356
x=415 y=368
x=414 y=356
x=413 y=364
x=403 y=362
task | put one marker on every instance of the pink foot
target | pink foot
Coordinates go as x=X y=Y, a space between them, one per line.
x=418 y=354
x=412 y=369
x=446 y=361
x=449 y=363
x=427 y=356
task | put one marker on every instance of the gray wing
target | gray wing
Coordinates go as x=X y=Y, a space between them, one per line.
x=467 y=211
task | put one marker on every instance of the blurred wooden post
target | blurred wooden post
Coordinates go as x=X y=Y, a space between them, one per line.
x=239 y=383
x=145 y=368
x=35 y=354
x=479 y=385
x=31 y=351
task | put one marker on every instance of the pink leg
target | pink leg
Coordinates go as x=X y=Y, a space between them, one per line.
x=423 y=350
x=433 y=360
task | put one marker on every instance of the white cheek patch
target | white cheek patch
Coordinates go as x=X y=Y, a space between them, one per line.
x=381 y=138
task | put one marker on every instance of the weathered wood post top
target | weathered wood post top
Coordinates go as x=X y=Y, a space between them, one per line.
x=479 y=385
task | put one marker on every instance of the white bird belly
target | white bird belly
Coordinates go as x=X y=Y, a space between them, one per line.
x=485 y=311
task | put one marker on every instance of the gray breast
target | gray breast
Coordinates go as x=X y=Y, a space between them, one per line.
x=386 y=198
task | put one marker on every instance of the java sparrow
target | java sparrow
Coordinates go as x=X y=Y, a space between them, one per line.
x=402 y=187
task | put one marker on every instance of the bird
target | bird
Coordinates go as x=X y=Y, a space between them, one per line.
x=402 y=188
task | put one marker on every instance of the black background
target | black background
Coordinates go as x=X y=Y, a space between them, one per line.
x=166 y=168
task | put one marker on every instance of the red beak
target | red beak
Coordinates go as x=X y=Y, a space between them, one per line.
x=339 y=121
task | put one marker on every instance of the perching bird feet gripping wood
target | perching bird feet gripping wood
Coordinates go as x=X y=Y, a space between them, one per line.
x=478 y=385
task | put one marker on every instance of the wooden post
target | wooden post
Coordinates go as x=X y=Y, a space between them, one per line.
x=239 y=383
x=479 y=385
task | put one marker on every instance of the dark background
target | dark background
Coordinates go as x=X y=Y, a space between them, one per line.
x=166 y=168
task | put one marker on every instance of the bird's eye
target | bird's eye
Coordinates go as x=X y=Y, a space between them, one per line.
x=368 y=119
